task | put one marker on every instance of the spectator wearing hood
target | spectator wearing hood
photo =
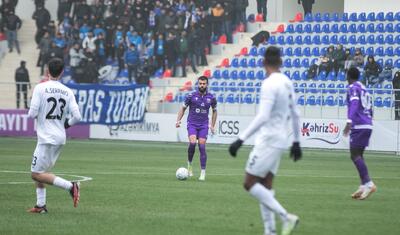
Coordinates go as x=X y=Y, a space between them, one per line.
x=22 y=81
x=372 y=70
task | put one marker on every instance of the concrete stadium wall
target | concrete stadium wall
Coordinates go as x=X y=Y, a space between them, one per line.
x=25 y=9
x=371 y=6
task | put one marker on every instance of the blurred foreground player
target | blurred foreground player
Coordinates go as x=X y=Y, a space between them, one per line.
x=51 y=102
x=277 y=108
x=359 y=125
x=199 y=104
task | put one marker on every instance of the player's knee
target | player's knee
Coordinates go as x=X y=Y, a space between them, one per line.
x=202 y=141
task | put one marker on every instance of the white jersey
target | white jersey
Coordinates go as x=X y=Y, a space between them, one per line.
x=277 y=109
x=51 y=102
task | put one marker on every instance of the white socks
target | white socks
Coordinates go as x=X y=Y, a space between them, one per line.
x=40 y=197
x=268 y=218
x=62 y=183
x=266 y=197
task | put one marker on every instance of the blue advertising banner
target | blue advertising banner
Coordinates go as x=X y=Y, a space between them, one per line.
x=111 y=105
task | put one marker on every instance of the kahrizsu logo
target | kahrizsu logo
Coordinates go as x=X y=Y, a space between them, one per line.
x=328 y=133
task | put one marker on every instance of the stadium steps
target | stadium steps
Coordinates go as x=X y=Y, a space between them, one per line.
x=11 y=62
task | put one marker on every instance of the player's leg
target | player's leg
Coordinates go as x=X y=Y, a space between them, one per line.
x=203 y=158
x=268 y=215
x=40 y=206
x=192 y=133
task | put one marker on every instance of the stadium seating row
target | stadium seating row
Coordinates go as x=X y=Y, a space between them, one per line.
x=301 y=28
x=353 y=17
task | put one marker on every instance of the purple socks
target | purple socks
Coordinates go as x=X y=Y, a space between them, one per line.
x=203 y=156
x=191 y=150
x=362 y=170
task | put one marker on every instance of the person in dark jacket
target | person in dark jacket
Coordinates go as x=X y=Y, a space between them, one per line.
x=372 y=71
x=42 y=18
x=13 y=23
x=307 y=5
x=339 y=58
x=22 y=81
x=193 y=39
x=91 y=74
x=396 y=87
x=64 y=6
x=240 y=11
x=44 y=46
x=183 y=50
x=159 y=51
x=132 y=61
x=262 y=8
x=171 y=52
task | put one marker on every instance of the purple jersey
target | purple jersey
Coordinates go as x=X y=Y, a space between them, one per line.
x=199 y=107
x=359 y=103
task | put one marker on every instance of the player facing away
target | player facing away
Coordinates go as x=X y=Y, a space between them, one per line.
x=276 y=110
x=359 y=125
x=199 y=104
x=51 y=101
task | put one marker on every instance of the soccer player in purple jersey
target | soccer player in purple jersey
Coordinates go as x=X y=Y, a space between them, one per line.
x=359 y=125
x=199 y=104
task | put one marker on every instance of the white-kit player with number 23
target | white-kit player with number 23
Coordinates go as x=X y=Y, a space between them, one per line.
x=276 y=110
x=51 y=102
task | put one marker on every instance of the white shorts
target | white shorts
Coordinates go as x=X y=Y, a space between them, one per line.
x=264 y=160
x=44 y=157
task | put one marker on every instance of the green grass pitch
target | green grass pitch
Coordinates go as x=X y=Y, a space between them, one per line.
x=134 y=191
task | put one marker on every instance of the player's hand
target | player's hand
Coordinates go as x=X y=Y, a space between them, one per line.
x=178 y=124
x=295 y=152
x=66 y=124
x=346 y=130
x=235 y=147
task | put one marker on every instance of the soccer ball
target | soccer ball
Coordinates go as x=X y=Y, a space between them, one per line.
x=182 y=173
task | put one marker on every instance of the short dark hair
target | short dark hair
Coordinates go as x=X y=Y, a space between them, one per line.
x=353 y=73
x=56 y=66
x=203 y=78
x=272 y=57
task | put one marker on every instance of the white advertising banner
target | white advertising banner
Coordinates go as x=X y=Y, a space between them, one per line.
x=315 y=133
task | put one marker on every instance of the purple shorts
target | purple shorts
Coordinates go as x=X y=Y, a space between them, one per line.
x=359 y=138
x=199 y=130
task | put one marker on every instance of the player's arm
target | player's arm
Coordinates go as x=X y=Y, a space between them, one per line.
x=74 y=111
x=295 y=151
x=214 y=115
x=35 y=103
x=354 y=101
x=181 y=112
x=264 y=112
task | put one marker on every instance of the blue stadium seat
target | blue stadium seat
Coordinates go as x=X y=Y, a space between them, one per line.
x=371 y=16
x=371 y=28
x=343 y=28
x=397 y=64
x=380 y=28
x=282 y=51
x=307 y=40
x=326 y=17
x=301 y=101
x=234 y=75
x=341 y=76
x=258 y=86
x=253 y=51
x=316 y=40
x=302 y=87
x=220 y=98
x=304 y=76
x=389 y=62
x=287 y=73
x=299 y=40
x=317 y=17
x=307 y=51
x=389 y=28
x=252 y=63
x=397 y=51
x=290 y=40
x=250 y=87
x=325 y=40
x=308 y=28
x=289 y=29
x=217 y=74
x=322 y=76
x=242 y=75
x=334 y=39
x=289 y=51
x=272 y=40
x=308 y=18
x=380 y=62
x=331 y=76
x=361 y=28
x=331 y=88
x=371 y=39
x=296 y=63
x=378 y=89
x=296 y=76
x=288 y=63
x=340 y=101
x=389 y=39
x=352 y=28
x=362 y=17
x=241 y=87
x=312 y=88
x=232 y=87
x=378 y=102
x=230 y=99
x=343 y=39
x=281 y=40
x=379 y=51
x=235 y=63
x=223 y=86
x=243 y=63
x=389 y=16
x=326 y=28
x=387 y=102
x=397 y=28
x=397 y=39
x=260 y=75
x=261 y=51
x=251 y=75
x=389 y=51
x=397 y=16
x=314 y=61
x=380 y=16
x=362 y=40
x=311 y=101
x=297 y=52
x=299 y=28
x=330 y=101
x=353 y=17
x=340 y=87
x=315 y=51
x=335 y=28
x=214 y=87
x=260 y=63
x=317 y=28
x=305 y=63
x=335 y=17
x=380 y=39
x=370 y=51
x=345 y=17
x=353 y=39
x=324 y=50
x=321 y=88
x=388 y=89
x=248 y=99
x=225 y=74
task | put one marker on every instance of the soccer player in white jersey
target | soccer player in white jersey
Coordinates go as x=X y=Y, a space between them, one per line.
x=276 y=109
x=51 y=101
